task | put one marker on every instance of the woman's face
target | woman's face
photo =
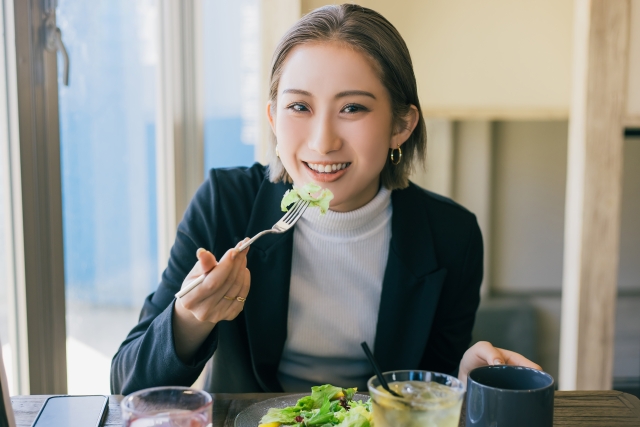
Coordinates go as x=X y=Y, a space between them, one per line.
x=333 y=122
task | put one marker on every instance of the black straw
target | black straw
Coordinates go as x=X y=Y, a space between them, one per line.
x=376 y=369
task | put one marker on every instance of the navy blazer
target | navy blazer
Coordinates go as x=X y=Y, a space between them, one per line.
x=430 y=291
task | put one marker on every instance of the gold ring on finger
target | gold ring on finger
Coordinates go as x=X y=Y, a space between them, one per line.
x=227 y=297
x=241 y=299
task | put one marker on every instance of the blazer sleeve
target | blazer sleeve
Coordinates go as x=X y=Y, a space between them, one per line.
x=453 y=322
x=147 y=357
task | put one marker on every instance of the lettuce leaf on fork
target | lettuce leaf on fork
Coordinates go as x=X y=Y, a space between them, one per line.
x=314 y=194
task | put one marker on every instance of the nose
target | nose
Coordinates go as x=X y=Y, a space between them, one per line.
x=325 y=139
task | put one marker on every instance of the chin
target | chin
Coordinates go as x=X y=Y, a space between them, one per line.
x=336 y=203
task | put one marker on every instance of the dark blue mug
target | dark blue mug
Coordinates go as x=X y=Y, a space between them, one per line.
x=506 y=396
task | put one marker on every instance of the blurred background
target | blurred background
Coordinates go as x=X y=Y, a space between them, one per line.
x=162 y=90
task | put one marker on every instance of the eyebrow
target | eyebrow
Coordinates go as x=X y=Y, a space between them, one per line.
x=355 y=93
x=297 y=92
x=339 y=95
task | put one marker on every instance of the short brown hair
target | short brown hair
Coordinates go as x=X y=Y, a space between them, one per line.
x=370 y=33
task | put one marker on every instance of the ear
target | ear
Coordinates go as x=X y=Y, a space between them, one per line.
x=271 y=118
x=405 y=128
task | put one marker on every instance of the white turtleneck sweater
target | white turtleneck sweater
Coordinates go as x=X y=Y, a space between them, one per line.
x=337 y=271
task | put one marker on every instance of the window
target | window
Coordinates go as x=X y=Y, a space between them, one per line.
x=108 y=157
x=113 y=133
x=231 y=60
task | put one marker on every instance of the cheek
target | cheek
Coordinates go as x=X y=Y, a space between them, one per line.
x=290 y=135
x=290 y=131
x=370 y=140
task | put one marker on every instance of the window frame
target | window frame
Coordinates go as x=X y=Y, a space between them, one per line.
x=180 y=116
x=36 y=203
x=12 y=203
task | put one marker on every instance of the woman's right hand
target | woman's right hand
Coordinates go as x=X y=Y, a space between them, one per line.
x=219 y=297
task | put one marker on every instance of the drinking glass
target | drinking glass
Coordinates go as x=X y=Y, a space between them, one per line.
x=427 y=399
x=167 y=407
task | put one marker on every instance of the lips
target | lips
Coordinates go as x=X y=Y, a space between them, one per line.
x=326 y=172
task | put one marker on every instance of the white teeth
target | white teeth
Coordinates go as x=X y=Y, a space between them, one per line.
x=327 y=168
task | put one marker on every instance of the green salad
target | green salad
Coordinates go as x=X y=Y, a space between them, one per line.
x=327 y=406
x=313 y=193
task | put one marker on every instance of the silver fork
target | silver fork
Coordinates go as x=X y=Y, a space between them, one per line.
x=286 y=222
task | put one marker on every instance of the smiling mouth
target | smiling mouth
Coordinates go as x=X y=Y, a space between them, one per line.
x=329 y=168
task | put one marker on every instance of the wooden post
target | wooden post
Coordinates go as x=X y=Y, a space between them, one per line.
x=594 y=188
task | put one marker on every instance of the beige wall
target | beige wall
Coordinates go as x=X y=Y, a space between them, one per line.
x=485 y=59
x=528 y=205
x=629 y=269
x=633 y=100
x=528 y=208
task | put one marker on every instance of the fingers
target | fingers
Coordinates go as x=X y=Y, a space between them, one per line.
x=515 y=359
x=236 y=281
x=234 y=263
x=498 y=356
x=207 y=260
x=216 y=298
x=239 y=290
x=213 y=279
x=483 y=353
x=486 y=354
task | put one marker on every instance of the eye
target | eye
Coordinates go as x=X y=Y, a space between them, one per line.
x=353 y=108
x=298 y=107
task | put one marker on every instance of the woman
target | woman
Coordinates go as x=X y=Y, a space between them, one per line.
x=390 y=263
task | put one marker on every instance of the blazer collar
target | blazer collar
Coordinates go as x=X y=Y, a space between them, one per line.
x=266 y=308
x=412 y=239
x=411 y=285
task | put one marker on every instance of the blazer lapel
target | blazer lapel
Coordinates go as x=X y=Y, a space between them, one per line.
x=411 y=285
x=266 y=308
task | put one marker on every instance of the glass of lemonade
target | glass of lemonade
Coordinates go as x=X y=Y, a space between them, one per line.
x=429 y=399
x=167 y=407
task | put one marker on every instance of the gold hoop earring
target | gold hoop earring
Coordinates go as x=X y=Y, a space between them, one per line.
x=277 y=152
x=395 y=160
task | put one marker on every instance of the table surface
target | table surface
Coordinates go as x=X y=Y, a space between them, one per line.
x=572 y=408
